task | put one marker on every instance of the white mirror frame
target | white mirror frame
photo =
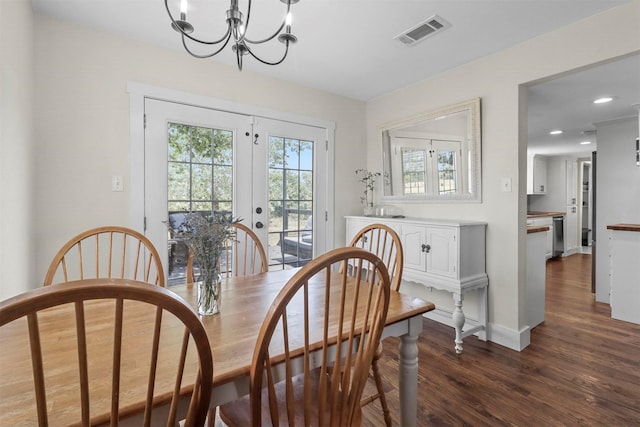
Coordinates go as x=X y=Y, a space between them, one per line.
x=474 y=132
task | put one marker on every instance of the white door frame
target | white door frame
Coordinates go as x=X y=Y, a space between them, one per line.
x=137 y=94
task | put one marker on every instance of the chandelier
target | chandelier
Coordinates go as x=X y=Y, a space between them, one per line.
x=237 y=27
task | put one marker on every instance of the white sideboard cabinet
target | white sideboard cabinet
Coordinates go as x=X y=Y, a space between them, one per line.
x=446 y=255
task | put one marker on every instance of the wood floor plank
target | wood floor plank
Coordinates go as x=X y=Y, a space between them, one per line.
x=581 y=368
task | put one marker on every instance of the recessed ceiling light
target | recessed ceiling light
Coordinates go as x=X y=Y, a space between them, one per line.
x=585 y=142
x=603 y=100
x=555 y=132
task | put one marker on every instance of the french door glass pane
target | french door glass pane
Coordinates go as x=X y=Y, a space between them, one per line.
x=290 y=225
x=200 y=179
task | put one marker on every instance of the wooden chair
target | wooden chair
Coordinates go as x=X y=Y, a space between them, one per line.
x=385 y=243
x=77 y=382
x=318 y=304
x=244 y=255
x=107 y=252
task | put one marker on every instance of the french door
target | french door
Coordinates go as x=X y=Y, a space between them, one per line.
x=270 y=173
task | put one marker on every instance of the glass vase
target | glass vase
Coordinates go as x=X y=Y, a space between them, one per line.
x=209 y=286
x=369 y=210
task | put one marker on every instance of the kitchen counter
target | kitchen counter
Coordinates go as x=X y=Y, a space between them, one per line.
x=544 y=223
x=541 y=214
x=537 y=228
x=624 y=227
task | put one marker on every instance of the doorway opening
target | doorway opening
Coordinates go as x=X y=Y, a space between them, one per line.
x=585 y=203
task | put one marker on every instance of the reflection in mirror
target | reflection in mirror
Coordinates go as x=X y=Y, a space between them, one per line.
x=434 y=156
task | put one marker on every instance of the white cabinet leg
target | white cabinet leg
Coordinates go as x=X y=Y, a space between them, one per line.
x=458 y=320
x=484 y=309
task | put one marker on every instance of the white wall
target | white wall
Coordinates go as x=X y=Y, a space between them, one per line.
x=82 y=123
x=617 y=190
x=497 y=79
x=17 y=269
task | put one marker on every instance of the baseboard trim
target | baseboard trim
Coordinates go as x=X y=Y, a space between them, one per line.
x=510 y=338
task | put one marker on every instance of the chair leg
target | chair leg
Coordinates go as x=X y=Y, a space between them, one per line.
x=380 y=395
x=211 y=417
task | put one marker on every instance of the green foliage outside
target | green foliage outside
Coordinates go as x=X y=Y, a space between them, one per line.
x=200 y=171
x=200 y=177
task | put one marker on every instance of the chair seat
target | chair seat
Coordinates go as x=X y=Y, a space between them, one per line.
x=237 y=413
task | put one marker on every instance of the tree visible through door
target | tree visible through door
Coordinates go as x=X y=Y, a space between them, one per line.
x=290 y=202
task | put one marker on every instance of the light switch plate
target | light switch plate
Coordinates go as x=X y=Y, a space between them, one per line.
x=506 y=185
x=116 y=183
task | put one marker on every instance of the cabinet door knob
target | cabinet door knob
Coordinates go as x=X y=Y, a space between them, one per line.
x=426 y=248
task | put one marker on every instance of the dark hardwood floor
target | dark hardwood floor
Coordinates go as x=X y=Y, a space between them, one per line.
x=582 y=367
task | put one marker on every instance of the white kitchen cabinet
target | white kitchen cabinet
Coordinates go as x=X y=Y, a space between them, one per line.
x=536 y=174
x=536 y=277
x=571 y=230
x=571 y=166
x=546 y=221
x=443 y=254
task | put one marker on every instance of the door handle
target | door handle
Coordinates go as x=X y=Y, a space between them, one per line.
x=426 y=248
x=259 y=224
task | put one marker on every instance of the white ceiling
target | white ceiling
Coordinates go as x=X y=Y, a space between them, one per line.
x=566 y=103
x=347 y=47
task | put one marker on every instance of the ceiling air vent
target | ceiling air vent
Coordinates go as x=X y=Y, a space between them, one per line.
x=433 y=25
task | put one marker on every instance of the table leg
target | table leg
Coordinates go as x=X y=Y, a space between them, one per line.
x=408 y=373
x=458 y=320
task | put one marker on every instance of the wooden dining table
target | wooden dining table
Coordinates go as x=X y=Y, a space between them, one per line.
x=232 y=334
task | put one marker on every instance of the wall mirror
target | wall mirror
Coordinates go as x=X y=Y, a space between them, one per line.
x=434 y=156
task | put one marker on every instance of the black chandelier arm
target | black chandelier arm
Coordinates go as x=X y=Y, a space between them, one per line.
x=209 y=55
x=274 y=34
x=286 y=51
x=224 y=38
x=236 y=29
x=268 y=38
